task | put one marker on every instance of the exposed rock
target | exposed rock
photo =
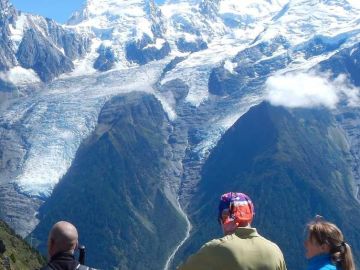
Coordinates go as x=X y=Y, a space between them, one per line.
x=210 y=8
x=6 y=86
x=318 y=45
x=347 y=61
x=106 y=59
x=36 y=52
x=74 y=44
x=249 y=68
x=171 y=65
x=177 y=88
x=144 y=50
x=191 y=46
x=7 y=16
x=158 y=25
x=45 y=47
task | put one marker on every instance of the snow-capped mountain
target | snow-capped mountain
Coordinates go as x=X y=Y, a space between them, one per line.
x=35 y=49
x=124 y=31
x=206 y=61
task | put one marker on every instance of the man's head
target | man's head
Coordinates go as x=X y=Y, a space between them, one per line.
x=63 y=237
x=235 y=210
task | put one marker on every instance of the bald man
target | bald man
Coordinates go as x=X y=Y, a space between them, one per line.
x=62 y=242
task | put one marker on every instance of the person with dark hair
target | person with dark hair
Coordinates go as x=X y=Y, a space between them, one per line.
x=326 y=248
x=242 y=247
x=62 y=242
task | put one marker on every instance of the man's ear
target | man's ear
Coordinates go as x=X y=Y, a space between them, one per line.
x=51 y=247
x=52 y=242
x=75 y=246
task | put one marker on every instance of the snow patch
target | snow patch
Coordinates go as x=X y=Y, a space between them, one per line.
x=168 y=108
x=353 y=50
x=229 y=66
x=17 y=31
x=157 y=45
x=190 y=37
x=84 y=66
x=170 y=9
x=354 y=3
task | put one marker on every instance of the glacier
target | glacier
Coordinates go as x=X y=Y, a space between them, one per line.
x=54 y=122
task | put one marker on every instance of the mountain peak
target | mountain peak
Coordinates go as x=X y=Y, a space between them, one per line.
x=119 y=20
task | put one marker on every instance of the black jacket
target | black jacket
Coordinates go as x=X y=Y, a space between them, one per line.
x=64 y=261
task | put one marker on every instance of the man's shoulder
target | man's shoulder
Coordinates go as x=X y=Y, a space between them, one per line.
x=46 y=267
x=219 y=242
x=80 y=267
x=84 y=267
x=269 y=242
x=270 y=246
x=328 y=267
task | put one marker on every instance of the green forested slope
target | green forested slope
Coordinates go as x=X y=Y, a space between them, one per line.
x=293 y=164
x=18 y=254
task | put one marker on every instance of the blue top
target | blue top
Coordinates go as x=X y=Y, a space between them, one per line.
x=321 y=262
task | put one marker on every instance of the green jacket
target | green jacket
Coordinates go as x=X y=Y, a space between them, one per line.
x=243 y=250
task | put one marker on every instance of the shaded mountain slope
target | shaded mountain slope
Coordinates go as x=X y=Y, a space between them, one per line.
x=14 y=251
x=114 y=192
x=347 y=62
x=293 y=164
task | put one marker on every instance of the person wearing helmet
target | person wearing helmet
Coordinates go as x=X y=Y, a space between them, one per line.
x=242 y=247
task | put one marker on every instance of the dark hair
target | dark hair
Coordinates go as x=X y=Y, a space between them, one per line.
x=324 y=232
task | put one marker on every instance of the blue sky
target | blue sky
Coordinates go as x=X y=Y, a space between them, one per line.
x=59 y=10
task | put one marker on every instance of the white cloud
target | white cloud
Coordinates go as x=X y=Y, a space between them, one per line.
x=309 y=90
x=348 y=92
x=19 y=76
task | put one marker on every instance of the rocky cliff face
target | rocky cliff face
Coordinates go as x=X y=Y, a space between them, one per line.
x=50 y=52
x=74 y=45
x=37 y=43
x=7 y=16
x=249 y=68
x=37 y=53
x=145 y=50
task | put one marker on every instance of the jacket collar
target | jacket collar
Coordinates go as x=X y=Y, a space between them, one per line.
x=320 y=261
x=246 y=232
